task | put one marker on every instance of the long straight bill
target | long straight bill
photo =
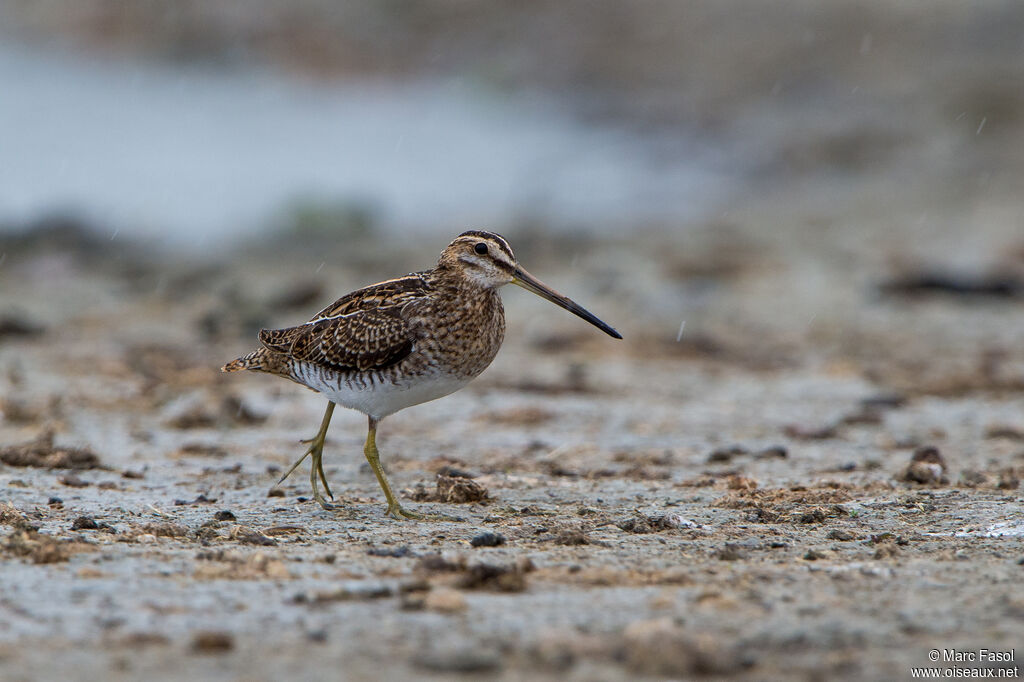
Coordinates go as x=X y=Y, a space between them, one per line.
x=531 y=283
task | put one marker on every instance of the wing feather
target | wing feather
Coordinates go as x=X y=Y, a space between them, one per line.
x=364 y=330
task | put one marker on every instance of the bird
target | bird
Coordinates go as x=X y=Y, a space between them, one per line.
x=402 y=342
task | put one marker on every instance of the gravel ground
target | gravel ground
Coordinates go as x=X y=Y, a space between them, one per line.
x=815 y=477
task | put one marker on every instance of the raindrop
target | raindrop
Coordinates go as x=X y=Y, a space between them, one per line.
x=981 y=125
x=679 y=335
x=865 y=44
x=321 y=266
x=114 y=233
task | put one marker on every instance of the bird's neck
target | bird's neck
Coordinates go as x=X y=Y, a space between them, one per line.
x=458 y=282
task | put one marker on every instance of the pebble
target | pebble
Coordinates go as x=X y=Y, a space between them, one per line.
x=487 y=539
x=468 y=659
x=212 y=642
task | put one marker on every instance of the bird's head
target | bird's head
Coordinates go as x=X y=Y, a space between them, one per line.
x=486 y=260
x=483 y=258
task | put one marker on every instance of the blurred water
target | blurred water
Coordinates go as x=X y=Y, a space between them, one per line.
x=186 y=155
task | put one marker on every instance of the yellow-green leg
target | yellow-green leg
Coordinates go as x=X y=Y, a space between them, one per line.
x=395 y=510
x=316 y=450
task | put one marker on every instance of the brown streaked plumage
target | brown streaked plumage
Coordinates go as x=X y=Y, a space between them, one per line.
x=402 y=342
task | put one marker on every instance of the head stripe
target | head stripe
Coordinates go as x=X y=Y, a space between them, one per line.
x=497 y=238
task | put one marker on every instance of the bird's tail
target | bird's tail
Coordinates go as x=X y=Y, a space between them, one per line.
x=256 y=361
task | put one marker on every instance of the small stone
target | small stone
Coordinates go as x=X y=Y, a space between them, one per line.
x=724 y=455
x=164 y=530
x=927 y=466
x=462 y=660
x=72 y=481
x=487 y=539
x=212 y=642
x=841 y=535
x=773 y=452
x=275 y=492
x=814 y=555
x=396 y=552
x=224 y=515
x=85 y=523
x=458 y=490
x=248 y=536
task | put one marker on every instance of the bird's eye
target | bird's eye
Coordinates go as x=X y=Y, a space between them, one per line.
x=480 y=248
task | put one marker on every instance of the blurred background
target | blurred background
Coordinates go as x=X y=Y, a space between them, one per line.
x=190 y=122
x=766 y=170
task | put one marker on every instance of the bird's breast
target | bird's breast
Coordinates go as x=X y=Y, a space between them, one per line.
x=462 y=339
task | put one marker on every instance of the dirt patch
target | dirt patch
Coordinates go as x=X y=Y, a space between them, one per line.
x=451 y=490
x=41 y=452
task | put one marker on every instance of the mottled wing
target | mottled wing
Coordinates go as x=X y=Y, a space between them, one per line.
x=364 y=330
x=391 y=293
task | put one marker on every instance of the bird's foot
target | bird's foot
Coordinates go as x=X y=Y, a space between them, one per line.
x=324 y=503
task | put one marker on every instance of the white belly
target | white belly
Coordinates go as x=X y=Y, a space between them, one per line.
x=379 y=399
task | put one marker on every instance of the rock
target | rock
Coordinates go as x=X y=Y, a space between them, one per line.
x=642 y=523
x=396 y=552
x=487 y=539
x=841 y=535
x=469 y=659
x=927 y=466
x=248 y=536
x=212 y=642
x=724 y=455
x=359 y=591
x=459 y=490
x=500 y=578
x=42 y=452
x=89 y=523
x=164 y=530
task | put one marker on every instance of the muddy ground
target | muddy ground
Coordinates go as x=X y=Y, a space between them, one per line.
x=732 y=497
x=803 y=461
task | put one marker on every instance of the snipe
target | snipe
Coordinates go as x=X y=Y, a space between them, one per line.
x=402 y=342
